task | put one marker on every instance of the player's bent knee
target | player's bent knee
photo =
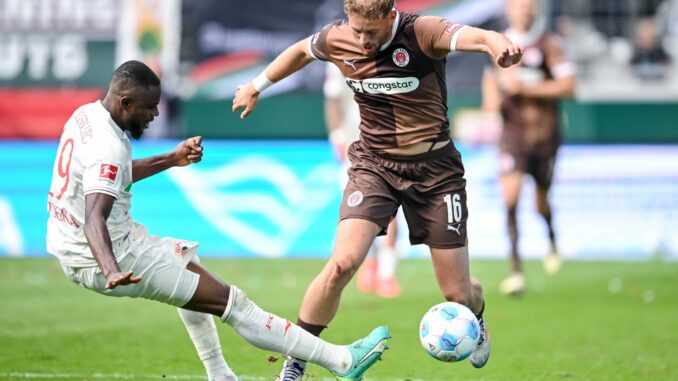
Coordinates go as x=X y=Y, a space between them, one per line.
x=342 y=271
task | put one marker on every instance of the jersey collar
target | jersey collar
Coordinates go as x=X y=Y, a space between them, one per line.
x=527 y=39
x=109 y=120
x=393 y=32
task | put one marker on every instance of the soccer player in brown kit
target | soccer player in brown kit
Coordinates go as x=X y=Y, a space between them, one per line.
x=395 y=64
x=527 y=97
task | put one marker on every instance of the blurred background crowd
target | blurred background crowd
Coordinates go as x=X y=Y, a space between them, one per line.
x=625 y=50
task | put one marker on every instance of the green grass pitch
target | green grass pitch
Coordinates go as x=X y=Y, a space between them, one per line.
x=593 y=321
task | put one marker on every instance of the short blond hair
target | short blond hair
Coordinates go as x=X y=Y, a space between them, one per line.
x=369 y=9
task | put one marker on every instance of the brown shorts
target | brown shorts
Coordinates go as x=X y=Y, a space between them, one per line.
x=539 y=166
x=430 y=187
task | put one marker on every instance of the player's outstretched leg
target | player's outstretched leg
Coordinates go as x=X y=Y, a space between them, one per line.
x=364 y=353
x=270 y=332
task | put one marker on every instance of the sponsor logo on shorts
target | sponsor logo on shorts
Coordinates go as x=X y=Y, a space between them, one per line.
x=384 y=85
x=108 y=172
x=456 y=229
x=354 y=199
x=180 y=249
x=401 y=57
x=269 y=322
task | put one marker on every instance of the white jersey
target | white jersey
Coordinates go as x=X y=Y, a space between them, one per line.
x=335 y=87
x=94 y=156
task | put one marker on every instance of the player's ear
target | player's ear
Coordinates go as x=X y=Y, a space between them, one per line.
x=125 y=102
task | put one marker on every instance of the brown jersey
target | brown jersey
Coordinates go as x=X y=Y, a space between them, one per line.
x=401 y=92
x=532 y=125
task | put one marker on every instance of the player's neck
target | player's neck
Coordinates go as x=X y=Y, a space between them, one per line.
x=110 y=106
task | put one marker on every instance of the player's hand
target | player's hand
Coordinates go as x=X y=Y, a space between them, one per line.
x=510 y=56
x=116 y=279
x=189 y=151
x=245 y=97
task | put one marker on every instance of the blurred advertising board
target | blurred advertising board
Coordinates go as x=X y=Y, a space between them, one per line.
x=281 y=198
x=227 y=42
x=59 y=54
x=56 y=55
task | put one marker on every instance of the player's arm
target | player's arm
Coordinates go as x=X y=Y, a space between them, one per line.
x=288 y=62
x=502 y=50
x=563 y=83
x=550 y=88
x=98 y=207
x=491 y=92
x=187 y=152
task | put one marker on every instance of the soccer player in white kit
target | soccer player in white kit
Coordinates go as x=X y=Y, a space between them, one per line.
x=342 y=119
x=102 y=249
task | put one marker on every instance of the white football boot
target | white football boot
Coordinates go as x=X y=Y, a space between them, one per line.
x=552 y=263
x=481 y=354
x=513 y=285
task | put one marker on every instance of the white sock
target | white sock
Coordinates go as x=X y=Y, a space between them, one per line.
x=204 y=335
x=270 y=332
x=387 y=260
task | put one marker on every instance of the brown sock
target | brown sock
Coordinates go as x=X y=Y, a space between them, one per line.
x=482 y=309
x=314 y=329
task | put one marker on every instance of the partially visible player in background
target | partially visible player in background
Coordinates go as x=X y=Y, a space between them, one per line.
x=102 y=249
x=342 y=119
x=527 y=96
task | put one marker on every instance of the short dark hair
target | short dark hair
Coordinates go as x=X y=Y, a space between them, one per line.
x=135 y=73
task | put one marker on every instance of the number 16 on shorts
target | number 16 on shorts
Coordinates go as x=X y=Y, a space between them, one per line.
x=454 y=211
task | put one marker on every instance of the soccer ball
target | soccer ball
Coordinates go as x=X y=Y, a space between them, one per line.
x=449 y=332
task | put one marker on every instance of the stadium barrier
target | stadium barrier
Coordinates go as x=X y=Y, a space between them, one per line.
x=298 y=115
x=280 y=199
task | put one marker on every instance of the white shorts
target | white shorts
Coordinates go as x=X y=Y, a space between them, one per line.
x=159 y=261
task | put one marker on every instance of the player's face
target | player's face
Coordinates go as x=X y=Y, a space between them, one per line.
x=140 y=109
x=521 y=14
x=371 y=34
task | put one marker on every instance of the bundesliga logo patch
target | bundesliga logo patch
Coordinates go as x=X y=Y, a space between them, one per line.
x=401 y=57
x=108 y=172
